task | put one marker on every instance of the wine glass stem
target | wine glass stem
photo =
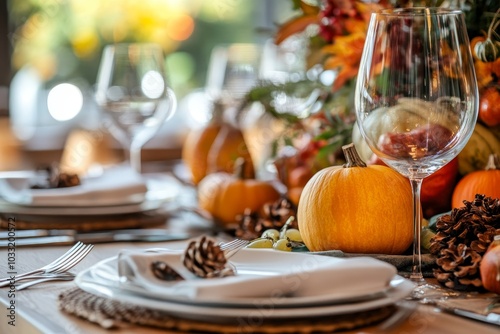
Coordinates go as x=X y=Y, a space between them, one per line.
x=135 y=157
x=416 y=274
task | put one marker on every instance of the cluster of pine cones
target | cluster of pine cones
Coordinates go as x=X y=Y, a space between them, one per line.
x=272 y=215
x=203 y=256
x=462 y=239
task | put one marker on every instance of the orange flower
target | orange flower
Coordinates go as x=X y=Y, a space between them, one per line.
x=299 y=23
x=345 y=55
x=294 y=26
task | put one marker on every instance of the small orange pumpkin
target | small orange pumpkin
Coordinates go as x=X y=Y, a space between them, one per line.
x=198 y=143
x=227 y=147
x=485 y=182
x=356 y=209
x=490 y=266
x=226 y=196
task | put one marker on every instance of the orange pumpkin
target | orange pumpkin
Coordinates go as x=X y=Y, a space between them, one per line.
x=198 y=143
x=297 y=179
x=226 y=148
x=485 y=182
x=490 y=266
x=226 y=196
x=356 y=209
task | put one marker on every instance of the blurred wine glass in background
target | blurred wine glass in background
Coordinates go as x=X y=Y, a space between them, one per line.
x=133 y=95
x=285 y=92
x=284 y=66
x=232 y=71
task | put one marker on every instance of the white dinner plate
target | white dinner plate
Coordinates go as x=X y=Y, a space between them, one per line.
x=161 y=189
x=102 y=279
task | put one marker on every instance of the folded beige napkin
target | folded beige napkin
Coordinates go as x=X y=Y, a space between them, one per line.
x=260 y=274
x=116 y=185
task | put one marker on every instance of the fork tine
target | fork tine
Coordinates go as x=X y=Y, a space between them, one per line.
x=65 y=256
x=48 y=267
x=233 y=244
x=74 y=260
x=68 y=259
x=231 y=248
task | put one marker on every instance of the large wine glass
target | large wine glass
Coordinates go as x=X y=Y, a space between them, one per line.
x=416 y=95
x=133 y=94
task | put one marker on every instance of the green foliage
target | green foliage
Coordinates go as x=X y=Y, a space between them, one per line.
x=265 y=93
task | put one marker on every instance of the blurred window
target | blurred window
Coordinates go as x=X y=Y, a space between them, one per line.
x=64 y=38
x=58 y=43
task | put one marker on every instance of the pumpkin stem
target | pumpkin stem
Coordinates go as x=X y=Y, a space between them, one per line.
x=493 y=162
x=217 y=112
x=352 y=157
x=239 y=168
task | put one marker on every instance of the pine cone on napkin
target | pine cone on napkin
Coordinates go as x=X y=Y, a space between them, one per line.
x=204 y=258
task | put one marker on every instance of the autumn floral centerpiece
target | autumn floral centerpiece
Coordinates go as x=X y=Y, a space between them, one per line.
x=336 y=30
x=319 y=143
x=458 y=240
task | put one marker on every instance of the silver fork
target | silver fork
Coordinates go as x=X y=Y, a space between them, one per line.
x=62 y=264
x=232 y=247
x=58 y=277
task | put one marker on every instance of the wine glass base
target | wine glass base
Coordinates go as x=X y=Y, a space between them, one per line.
x=425 y=291
x=422 y=289
x=417 y=278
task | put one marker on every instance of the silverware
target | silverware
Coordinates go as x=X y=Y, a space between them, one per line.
x=68 y=237
x=490 y=318
x=46 y=279
x=62 y=264
x=46 y=275
x=232 y=247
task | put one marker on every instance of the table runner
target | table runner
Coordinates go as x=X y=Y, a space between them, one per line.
x=113 y=314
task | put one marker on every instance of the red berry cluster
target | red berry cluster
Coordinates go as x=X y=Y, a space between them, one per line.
x=333 y=16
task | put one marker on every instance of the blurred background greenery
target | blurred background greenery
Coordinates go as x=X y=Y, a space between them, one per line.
x=64 y=38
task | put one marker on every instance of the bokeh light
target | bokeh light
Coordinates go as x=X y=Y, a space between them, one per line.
x=64 y=101
x=181 y=67
x=180 y=27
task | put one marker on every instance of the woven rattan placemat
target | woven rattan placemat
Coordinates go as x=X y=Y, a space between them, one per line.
x=113 y=314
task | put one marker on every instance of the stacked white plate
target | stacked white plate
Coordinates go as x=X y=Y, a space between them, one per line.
x=312 y=286
x=117 y=190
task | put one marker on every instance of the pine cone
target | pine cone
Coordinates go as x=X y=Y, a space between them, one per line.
x=461 y=241
x=204 y=258
x=163 y=271
x=276 y=214
x=272 y=215
x=246 y=228
x=57 y=179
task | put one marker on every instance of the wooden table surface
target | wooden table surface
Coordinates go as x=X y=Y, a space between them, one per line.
x=37 y=311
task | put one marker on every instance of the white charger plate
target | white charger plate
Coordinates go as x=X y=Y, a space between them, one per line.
x=102 y=279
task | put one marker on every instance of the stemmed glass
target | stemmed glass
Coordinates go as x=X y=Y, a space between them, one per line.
x=233 y=70
x=416 y=95
x=133 y=94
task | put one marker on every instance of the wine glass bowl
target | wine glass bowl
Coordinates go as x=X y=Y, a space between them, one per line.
x=133 y=94
x=232 y=71
x=416 y=96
